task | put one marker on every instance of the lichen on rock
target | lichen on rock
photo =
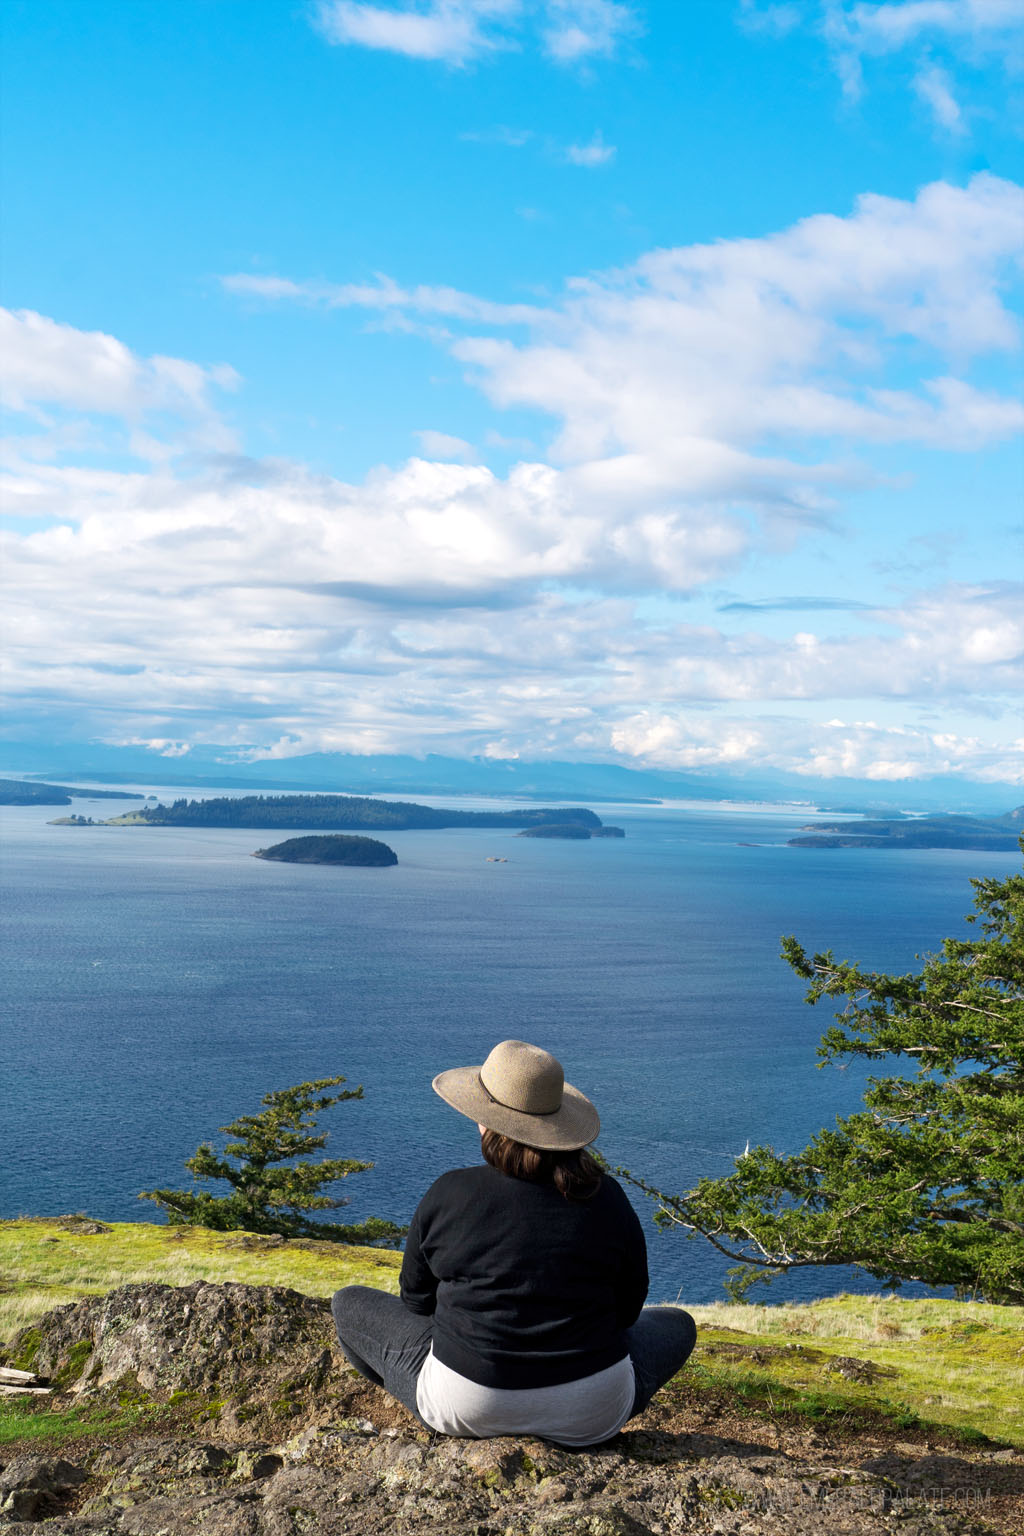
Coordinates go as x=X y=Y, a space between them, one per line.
x=196 y=1338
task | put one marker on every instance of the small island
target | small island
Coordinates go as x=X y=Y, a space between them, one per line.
x=366 y=852
x=983 y=834
x=336 y=813
x=574 y=831
x=24 y=792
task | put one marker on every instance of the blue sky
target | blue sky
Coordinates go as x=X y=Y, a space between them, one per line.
x=631 y=382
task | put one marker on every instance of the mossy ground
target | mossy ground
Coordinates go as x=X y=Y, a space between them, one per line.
x=43 y=1265
x=959 y=1365
x=22 y=1421
x=954 y=1365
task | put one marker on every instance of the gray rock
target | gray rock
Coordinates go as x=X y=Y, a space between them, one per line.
x=852 y=1369
x=348 y=1484
x=219 y=1515
x=251 y=1465
x=67 y=1525
x=32 y=1487
x=194 y=1338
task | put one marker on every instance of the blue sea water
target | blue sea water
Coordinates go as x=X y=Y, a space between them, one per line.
x=160 y=980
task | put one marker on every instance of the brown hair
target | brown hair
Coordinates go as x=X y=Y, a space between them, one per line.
x=576 y=1175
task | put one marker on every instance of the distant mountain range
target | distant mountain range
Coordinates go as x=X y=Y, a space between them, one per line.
x=216 y=768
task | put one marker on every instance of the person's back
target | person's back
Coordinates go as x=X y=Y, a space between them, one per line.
x=523 y=1281
x=526 y=1288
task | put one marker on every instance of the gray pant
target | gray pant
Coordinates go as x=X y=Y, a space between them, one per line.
x=388 y=1344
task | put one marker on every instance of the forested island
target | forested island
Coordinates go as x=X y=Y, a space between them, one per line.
x=575 y=831
x=366 y=852
x=338 y=813
x=20 y=792
x=992 y=834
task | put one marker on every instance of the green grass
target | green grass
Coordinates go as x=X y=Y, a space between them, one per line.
x=954 y=1365
x=43 y=1266
x=21 y=1419
x=958 y=1365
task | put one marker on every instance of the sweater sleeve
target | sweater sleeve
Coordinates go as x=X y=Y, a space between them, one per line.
x=417 y=1283
x=635 y=1282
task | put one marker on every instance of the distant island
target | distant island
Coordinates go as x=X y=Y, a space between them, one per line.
x=20 y=792
x=573 y=830
x=993 y=834
x=340 y=813
x=878 y=812
x=364 y=851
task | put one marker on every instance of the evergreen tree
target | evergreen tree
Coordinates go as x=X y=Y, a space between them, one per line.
x=272 y=1187
x=927 y=1181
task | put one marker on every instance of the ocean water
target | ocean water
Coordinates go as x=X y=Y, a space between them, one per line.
x=158 y=981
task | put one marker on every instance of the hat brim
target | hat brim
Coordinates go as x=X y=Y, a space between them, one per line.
x=573 y=1125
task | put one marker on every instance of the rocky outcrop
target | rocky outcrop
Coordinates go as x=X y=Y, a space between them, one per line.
x=266 y=1432
x=242 y=1340
x=350 y=1479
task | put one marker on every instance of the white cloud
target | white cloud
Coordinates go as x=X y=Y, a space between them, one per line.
x=581 y=29
x=452 y=31
x=47 y=362
x=443 y=606
x=384 y=294
x=949 y=643
x=934 y=87
x=296 y=613
x=592 y=154
x=161 y=745
x=820 y=749
x=691 y=389
x=776 y=19
x=887 y=27
x=692 y=359
x=968 y=33
x=442 y=445
x=705 y=376
x=458 y=31
x=436 y=528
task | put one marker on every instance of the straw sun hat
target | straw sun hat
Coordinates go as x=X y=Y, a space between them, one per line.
x=520 y=1091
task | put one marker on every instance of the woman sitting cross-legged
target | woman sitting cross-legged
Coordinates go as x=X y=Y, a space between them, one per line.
x=524 y=1279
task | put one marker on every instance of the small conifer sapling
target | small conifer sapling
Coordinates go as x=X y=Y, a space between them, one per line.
x=273 y=1184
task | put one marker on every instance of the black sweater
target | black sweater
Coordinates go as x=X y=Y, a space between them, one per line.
x=527 y=1289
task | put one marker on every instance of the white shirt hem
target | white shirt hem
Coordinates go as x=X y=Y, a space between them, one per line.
x=573 y=1413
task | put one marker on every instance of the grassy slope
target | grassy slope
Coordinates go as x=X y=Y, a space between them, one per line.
x=42 y=1265
x=955 y=1364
